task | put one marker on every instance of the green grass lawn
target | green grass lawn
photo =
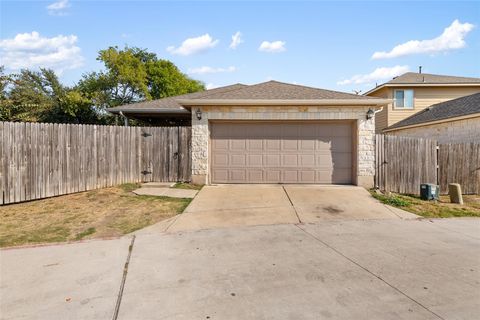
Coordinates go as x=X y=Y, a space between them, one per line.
x=189 y=186
x=432 y=209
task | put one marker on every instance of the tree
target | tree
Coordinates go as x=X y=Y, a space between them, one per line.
x=134 y=74
x=130 y=75
x=166 y=80
x=38 y=96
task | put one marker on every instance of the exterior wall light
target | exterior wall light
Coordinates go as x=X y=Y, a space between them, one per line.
x=199 y=114
x=370 y=114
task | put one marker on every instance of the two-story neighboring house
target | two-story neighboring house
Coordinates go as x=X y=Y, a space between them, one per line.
x=413 y=92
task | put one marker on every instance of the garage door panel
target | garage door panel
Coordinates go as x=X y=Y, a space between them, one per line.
x=307 y=176
x=272 y=160
x=290 y=176
x=220 y=159
x=255 y=176
x=290 y=160
x=238 y=175
x=290 y=131
x=290 y=144
x=307 y=160
x=220 y=175
x=341 y=175
x=238 y=145
x=323 y=144
x=220 y=144
x=273 y=176
x=238 y=160
x=307 y=131
x=341 y=144
x=300 y=152
x=255 y=144
x=307 y=145
x=255 y=160
x=342 y=160
x=273 y=145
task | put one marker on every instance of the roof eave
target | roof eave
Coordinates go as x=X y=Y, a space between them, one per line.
x=149 y=110
x=278 y=102
x=432 y=122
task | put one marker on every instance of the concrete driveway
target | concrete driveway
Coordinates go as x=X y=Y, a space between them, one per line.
x=333 y=269
x=246 y=205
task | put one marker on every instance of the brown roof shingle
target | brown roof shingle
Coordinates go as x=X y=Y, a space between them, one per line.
x=414 y=78
x=171 y=102
x=274 y=90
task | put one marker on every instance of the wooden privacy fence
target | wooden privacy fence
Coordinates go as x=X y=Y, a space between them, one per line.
x=459 y=163
x=45 y=160
x=403 y=163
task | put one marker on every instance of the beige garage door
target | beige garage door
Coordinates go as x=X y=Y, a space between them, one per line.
x=281 y=152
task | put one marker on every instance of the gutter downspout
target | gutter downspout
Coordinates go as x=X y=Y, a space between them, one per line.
x=125 y=119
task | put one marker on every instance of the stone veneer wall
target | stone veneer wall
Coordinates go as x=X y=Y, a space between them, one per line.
x=467 y=130
x=365 y=132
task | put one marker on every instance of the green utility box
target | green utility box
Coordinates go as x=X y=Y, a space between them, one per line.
x=429 y=191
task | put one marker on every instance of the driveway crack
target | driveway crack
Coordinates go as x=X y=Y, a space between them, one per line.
x=294 y=209
x=124 y=278
x=371 y=273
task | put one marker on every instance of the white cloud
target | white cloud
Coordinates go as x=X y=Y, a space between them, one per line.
x=209 y=86
x=206 y=69
x=30 y=50
x=378 y=74
x=58 y=8
x=453 y=37
x=275 y=46
x=194 y=45
x=236 y=40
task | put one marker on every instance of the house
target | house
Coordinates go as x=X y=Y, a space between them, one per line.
x=275 y=132
x=456 y=120
x=413 y=92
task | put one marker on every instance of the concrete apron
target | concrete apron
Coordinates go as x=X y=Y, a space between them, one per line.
x=246 y=205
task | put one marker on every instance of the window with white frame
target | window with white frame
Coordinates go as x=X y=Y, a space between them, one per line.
x=403 y=99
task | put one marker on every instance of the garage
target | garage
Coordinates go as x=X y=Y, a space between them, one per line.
x=317 y=152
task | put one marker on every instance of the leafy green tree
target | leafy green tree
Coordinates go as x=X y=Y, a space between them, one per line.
x=130 y=75
x=38 y=96
x=166 y=80
x=134 y=74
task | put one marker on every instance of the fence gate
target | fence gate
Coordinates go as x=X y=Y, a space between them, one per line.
x=403 y=163
x=165 y=154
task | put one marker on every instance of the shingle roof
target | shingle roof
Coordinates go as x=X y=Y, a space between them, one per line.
x=414 y=78
x=171 y=102
x=274 y=90
x=449 y=109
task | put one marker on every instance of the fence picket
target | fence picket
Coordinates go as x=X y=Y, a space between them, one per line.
x=42 y=160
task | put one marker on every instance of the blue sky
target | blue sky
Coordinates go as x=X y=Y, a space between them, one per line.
x=336 y=45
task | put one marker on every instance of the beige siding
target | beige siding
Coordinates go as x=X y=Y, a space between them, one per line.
x=466 y=130
x=423 y=97
x=381 y=118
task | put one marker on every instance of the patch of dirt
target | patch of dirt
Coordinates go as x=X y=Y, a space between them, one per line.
x=99 y=213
